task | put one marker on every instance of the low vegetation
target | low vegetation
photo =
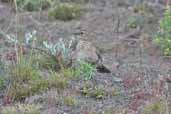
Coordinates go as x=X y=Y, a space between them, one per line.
x=96 y=92
x=70 y=101
x=163 y=37
x=58 y=81
x=33 y=5
x=21 y=75
x=86 y=70
x=66 y=11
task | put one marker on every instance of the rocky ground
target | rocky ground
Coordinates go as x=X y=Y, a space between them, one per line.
x=139 y=73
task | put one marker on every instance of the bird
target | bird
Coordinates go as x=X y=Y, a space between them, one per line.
x=86 y=51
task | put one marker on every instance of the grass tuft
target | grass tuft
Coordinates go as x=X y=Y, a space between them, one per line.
x=65 y=11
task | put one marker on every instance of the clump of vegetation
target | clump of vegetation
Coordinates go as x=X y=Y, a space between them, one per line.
x=139 y=8
x=156 y=108
x=163 y=36
x=21 y=75
x=70 y=101
x=20 y=89
x=23 y=71
x=98 y=93
x=22 y=86
x=2 y=72
x=86 y=70
x=1 y=83
x=66 y=11
x=33 y=5
x=58 y=81
x=21 y=109
x=71 y=73
x=86 y=89
x=60 y=52
x=38 y=86
x=47 y=62
x=56 y=56
x=2 y=79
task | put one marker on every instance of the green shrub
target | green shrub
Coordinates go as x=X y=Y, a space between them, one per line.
x=33 y=5
x=98 y=93
x=72 y=73
x=2 y=75
x=60 y=52
x=47 y=62
x=86 y=70
x=20 y=89
x=21 y=75
x=66 y=11
x=39 y=86
x=140 y=8
x=70 y=101
x=58 y=81
x=163 y=36
x=21 y=72
x=86 y=89
x=1 y=83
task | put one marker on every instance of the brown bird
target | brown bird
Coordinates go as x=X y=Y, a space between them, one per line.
x=86 y=51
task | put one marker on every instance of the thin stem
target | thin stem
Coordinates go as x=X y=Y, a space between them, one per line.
x=117 y=33
x=17 y=22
